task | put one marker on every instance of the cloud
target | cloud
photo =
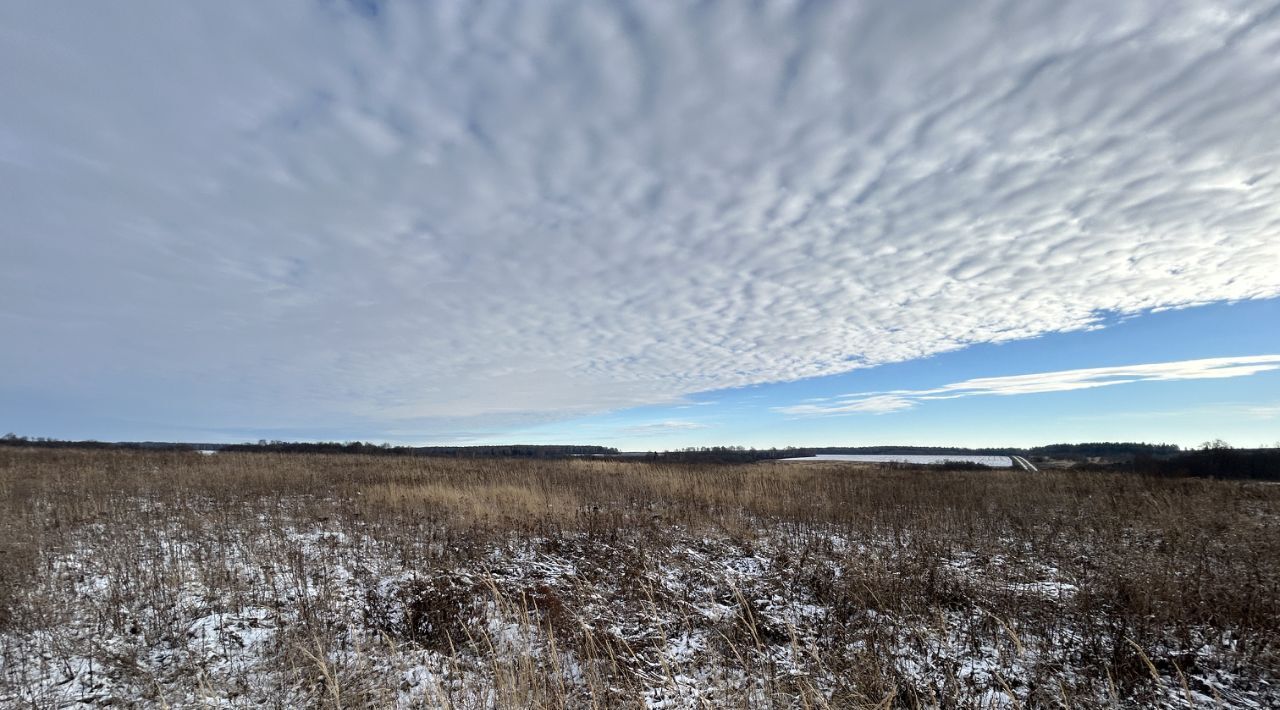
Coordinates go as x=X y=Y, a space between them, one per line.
x=1264 y=411
x=1060 y=381
x=660 y=428
x=453 y=215
x=1220 y=410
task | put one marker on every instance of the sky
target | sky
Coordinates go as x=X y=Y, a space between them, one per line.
x=645 y=225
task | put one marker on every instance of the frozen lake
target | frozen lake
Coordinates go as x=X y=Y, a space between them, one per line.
x=993 y=461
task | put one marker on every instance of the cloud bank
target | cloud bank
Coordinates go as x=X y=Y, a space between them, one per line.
x=461 y=215
x=1060 y=381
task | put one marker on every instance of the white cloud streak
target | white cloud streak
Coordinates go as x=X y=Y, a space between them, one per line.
x=661 y=428
x=1060 y=381
x=460 y=215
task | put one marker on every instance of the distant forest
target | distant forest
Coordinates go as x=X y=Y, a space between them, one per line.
x=1212 y=460
x=530 y=451
x=519 y=451
x=1110 y=450
x=1099 y=450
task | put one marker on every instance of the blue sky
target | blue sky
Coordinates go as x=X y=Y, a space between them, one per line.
x=1243 y=410
x=640 y=224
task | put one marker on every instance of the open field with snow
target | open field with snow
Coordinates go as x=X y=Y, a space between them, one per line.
x=246 y=580
x=921 y=459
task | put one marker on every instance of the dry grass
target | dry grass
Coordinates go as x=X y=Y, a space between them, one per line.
x=342 y=581
x=474 y=503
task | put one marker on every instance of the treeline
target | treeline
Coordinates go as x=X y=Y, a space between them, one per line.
x=1215 y=462
x=47 y=443
x=706 y=454
x=518 y=451
x=1103 y=449
x=737 y=454
x=523 y=451
x=723 y=454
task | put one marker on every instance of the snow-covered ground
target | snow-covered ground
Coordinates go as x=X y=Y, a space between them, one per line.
x=993 y=461
x=150 y=580
x=305 y=616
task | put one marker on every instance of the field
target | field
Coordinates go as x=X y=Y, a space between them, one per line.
x=246 y=580
x=990 y=461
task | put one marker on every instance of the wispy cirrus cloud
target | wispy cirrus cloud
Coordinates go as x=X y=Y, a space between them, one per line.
x=1220 y=410
x=456 y=216
x=1059 y=381
x=661 y=428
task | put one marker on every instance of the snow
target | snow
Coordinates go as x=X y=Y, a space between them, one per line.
x=673 y=616
x=993 y=461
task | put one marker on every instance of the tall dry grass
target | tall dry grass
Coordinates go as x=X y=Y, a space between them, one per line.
x=594 y=583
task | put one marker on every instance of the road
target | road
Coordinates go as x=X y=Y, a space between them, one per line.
x=1025 y=464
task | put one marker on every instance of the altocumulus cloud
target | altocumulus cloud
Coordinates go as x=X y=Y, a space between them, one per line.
x=412 y=213
x=1060 y=381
